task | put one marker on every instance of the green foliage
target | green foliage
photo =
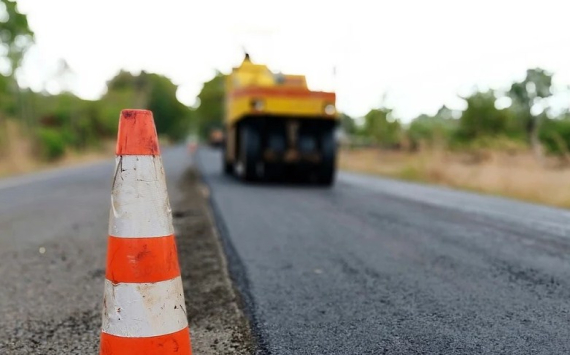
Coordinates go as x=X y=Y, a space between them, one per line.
x=431 y=130
x=15 y=33
x=64 y=120
x=7 y=98
x=51 y=143
x=4 y=85
x=79 y=120
x=482 y=118
x=210 y=112
x=172 y=118
x=384 y=131
x=153 y=92
x=348 y=124
x=555 y=135
x=107 y=111
x=536 y=85
x=525 y=95
x=481 y=125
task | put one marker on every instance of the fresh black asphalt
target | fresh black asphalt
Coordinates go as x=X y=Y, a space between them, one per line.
x=376 y=266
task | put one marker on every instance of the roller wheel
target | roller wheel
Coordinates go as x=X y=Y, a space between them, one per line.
x=249 y=153
x=327 y=169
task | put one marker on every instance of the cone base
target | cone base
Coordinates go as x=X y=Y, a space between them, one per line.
x=170 y=344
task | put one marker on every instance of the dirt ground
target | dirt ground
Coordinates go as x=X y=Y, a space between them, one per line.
x=217 y=324
x=516 y=175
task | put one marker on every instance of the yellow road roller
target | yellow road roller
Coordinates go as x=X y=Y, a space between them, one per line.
x=275 y=126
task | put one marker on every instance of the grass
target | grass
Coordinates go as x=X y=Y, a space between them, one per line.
x=516 y=175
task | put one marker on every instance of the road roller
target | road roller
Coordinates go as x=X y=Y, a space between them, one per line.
x=275 y=126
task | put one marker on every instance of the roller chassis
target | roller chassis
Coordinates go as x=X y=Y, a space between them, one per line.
x=271 y=148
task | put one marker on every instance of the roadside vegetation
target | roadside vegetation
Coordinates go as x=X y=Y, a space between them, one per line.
x=513 y=143
x=39 y=129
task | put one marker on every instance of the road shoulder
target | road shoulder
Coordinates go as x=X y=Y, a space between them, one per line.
x=217 y=324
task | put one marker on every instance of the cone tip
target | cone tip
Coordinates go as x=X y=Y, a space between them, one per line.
x=137 y=133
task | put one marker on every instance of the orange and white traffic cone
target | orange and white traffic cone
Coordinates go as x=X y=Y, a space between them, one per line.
x=143 y=305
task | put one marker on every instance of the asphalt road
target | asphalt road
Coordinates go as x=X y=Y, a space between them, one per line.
x=371 y=266
x=53 y=239
x=375 y=266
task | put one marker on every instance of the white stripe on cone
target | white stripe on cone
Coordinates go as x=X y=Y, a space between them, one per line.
x=140 y=206
x=144 y=309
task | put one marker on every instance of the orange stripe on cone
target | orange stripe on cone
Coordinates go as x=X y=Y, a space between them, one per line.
x=142 y=259
x=175 y=343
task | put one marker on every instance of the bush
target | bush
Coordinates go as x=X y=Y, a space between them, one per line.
x=51 y=143
x=431 y=130
x=555 y=135
x=482 y=119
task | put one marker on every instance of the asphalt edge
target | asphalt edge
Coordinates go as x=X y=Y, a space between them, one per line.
x=234 y=265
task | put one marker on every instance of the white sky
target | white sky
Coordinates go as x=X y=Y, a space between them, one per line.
x=416 y=54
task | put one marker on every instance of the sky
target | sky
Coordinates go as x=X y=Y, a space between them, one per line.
x=410 y=55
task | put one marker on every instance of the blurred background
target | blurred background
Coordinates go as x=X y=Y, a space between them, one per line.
x=471 y=94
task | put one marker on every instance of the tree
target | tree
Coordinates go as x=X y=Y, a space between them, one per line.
x=347 y=124
x=432 y=130
x=526 y=95
x=210 y=112
x=15 y=33
x=171 y=116
x=153 y=92
x=555 y=135
x=482 y=118
x=16 y=37
x=379 y=126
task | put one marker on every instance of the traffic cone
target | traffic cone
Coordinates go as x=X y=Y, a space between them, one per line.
x=143 y=305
